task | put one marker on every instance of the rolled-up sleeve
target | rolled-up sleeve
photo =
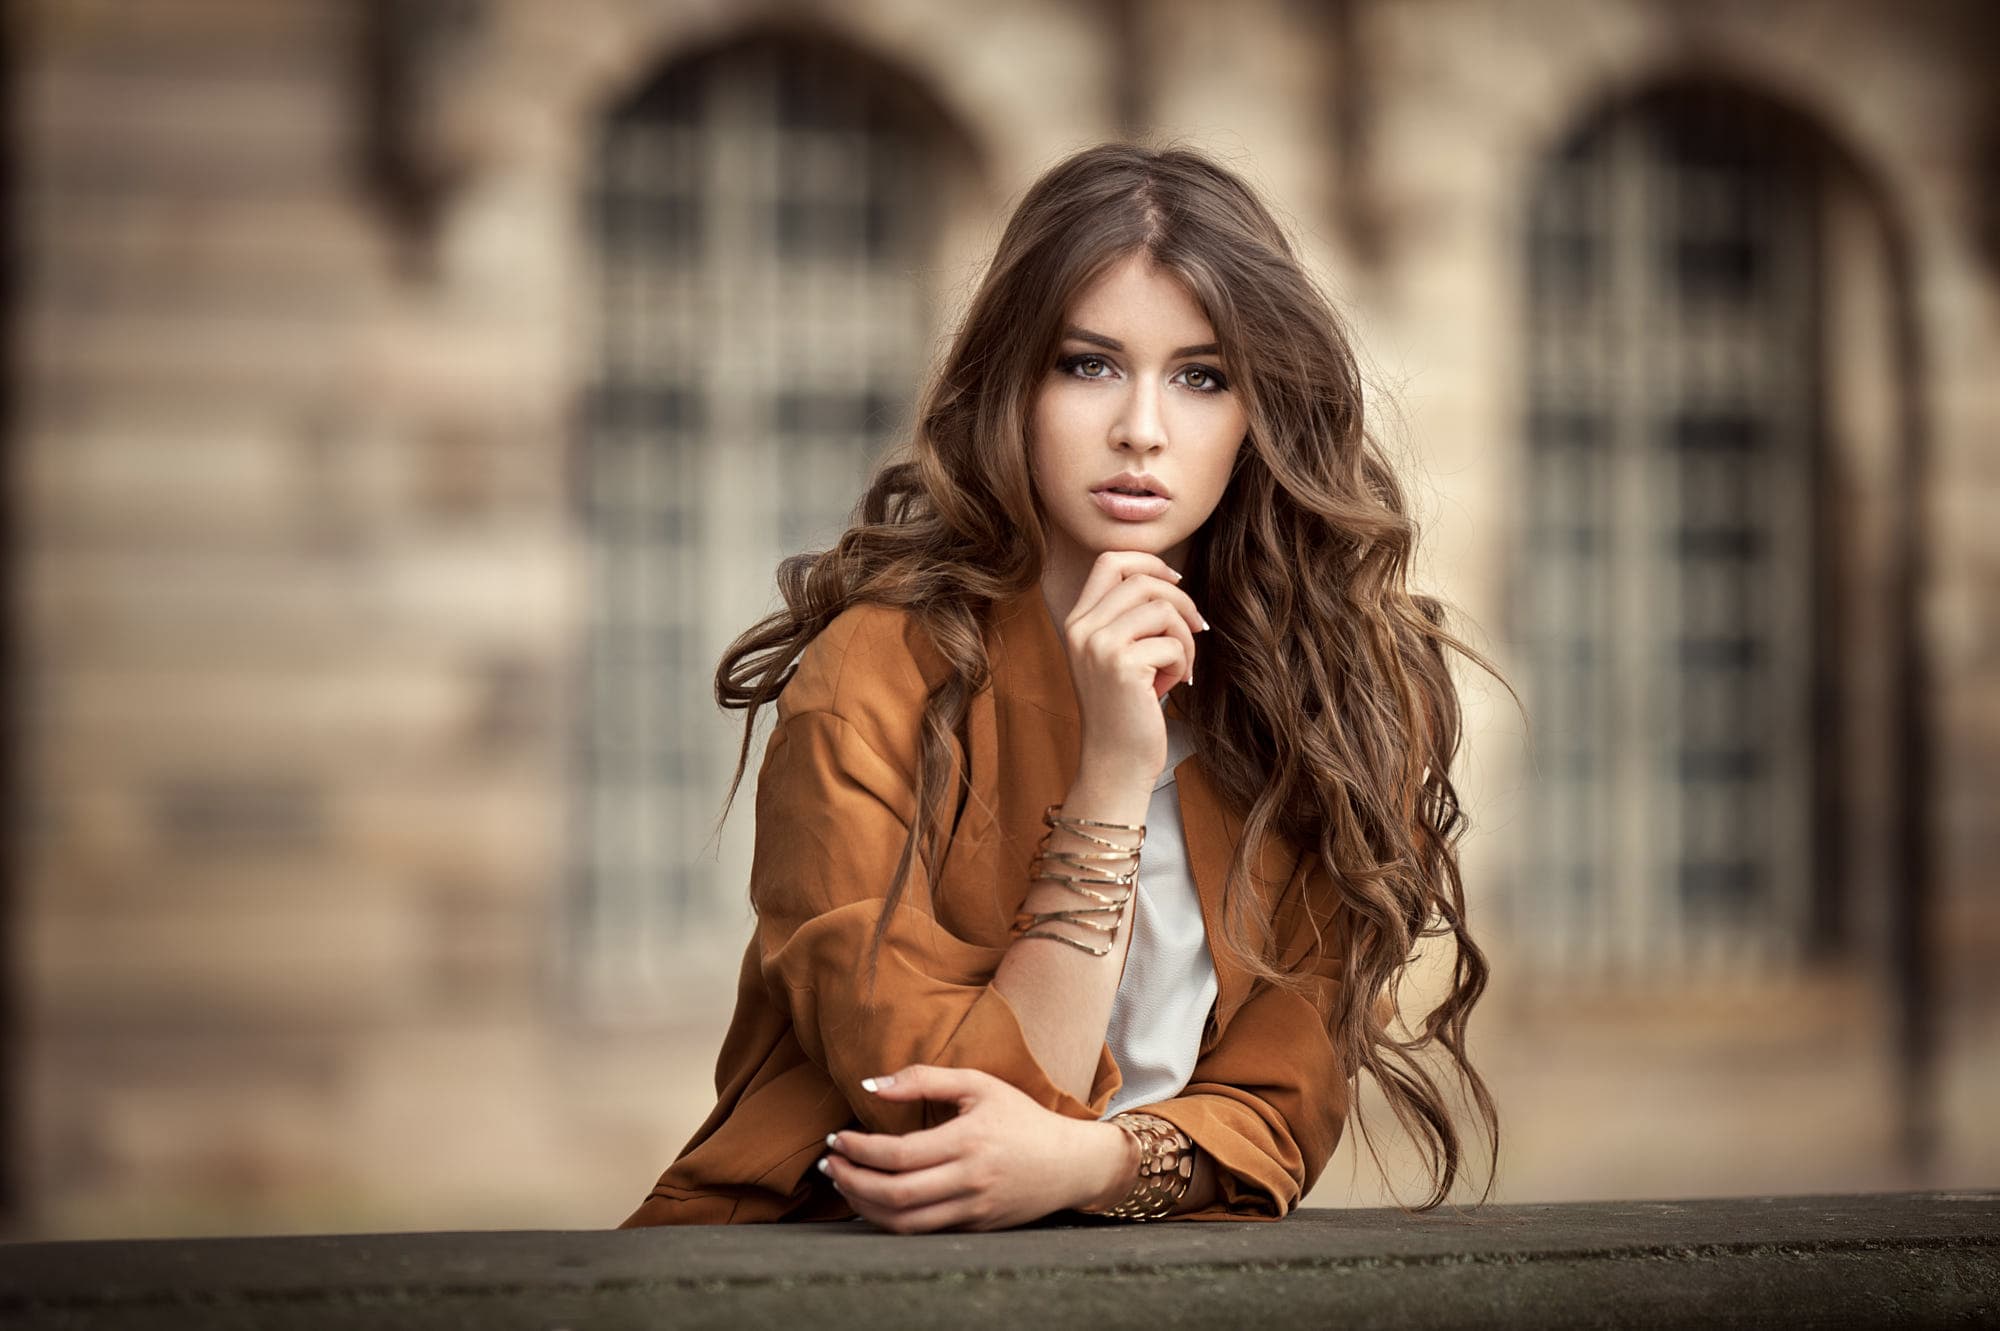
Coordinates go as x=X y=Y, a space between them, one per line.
x=1269 y=1101
x=832 y=818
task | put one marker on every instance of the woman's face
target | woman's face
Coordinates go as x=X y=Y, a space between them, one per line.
x=1138 y=398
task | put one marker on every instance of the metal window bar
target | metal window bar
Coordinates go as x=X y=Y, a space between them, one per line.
x=760 y=215
x=1668 y=565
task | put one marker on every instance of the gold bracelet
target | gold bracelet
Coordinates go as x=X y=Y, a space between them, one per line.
x=1084 y=859
x=1092 y=866
x=1104 y=951
x=1088 y=861
x=1077 y=826
x=1027 y=925
x=1050 y=815
x=1080 y=882
x=1025 y=920
x=1166 y=1168
x=1032 y=924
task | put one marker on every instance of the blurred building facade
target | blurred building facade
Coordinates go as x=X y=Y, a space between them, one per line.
x=412 y=398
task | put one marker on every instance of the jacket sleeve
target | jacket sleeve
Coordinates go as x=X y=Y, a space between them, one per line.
x=1267 y=1102
x=832 y=817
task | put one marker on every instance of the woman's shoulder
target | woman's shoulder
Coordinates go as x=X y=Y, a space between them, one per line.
x=872 y=667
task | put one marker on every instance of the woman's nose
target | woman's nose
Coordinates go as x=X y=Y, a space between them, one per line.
x=1140 y=424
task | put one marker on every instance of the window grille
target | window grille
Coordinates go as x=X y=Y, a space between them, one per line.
x=1668 y=577
x=761 y=216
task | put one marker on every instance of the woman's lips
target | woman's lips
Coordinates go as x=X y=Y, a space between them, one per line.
x=1129 y=508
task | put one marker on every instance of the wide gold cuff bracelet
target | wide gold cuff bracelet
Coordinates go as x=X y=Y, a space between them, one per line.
x=1166 y=1168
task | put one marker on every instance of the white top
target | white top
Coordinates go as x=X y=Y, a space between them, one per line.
x=1168 y=986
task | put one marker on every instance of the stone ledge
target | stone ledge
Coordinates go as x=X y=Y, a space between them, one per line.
x=1903 y=1259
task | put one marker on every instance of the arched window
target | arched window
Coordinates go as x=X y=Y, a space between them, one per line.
x=763 y=217
x=1672 y=599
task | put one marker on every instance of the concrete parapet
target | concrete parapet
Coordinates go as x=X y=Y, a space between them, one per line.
x=1906 y=1259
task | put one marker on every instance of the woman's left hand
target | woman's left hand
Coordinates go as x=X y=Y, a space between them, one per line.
x=1003 y=1161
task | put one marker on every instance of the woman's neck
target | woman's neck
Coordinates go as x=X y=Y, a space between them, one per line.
x=1060 y=588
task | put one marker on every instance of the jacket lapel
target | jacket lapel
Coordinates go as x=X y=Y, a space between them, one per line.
x=1030 y=664
x=1211 y=839
x=1035 y=733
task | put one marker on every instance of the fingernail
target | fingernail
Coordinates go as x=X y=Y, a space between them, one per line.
x=1177 y=576
x=876 y=1083
x=824 y=1167
x=1204 y=624
x=830 y=1142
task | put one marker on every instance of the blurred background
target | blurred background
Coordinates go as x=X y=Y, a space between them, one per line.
x=407 y=401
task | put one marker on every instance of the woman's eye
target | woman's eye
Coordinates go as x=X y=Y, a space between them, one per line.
x=1205 y=380
x=1072 y=364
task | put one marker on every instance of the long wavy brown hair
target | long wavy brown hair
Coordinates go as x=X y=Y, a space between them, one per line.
x=1325 y=708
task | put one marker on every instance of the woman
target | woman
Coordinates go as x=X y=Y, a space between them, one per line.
x=1048 y=919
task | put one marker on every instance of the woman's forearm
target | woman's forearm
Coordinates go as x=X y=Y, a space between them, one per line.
x=1063 y=998
x=1062 y=995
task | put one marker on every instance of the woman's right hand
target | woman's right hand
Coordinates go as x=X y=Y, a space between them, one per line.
x=1130 y=639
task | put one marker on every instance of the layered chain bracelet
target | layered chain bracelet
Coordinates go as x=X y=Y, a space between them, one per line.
x=1089 y=875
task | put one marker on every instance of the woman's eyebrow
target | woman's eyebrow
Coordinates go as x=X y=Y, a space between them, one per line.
x=1113 y=344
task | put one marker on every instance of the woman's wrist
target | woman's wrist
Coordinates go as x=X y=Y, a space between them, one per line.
x=1109 y=1164
x=1112 y=794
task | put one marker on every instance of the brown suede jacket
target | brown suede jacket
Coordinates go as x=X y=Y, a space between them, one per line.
x=1267 y=1100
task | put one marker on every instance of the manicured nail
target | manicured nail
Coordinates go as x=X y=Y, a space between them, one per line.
x=876 y=1083
x=824 y=1167
x=1177 y=576
x=832 y=1144
x=1204 y=624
